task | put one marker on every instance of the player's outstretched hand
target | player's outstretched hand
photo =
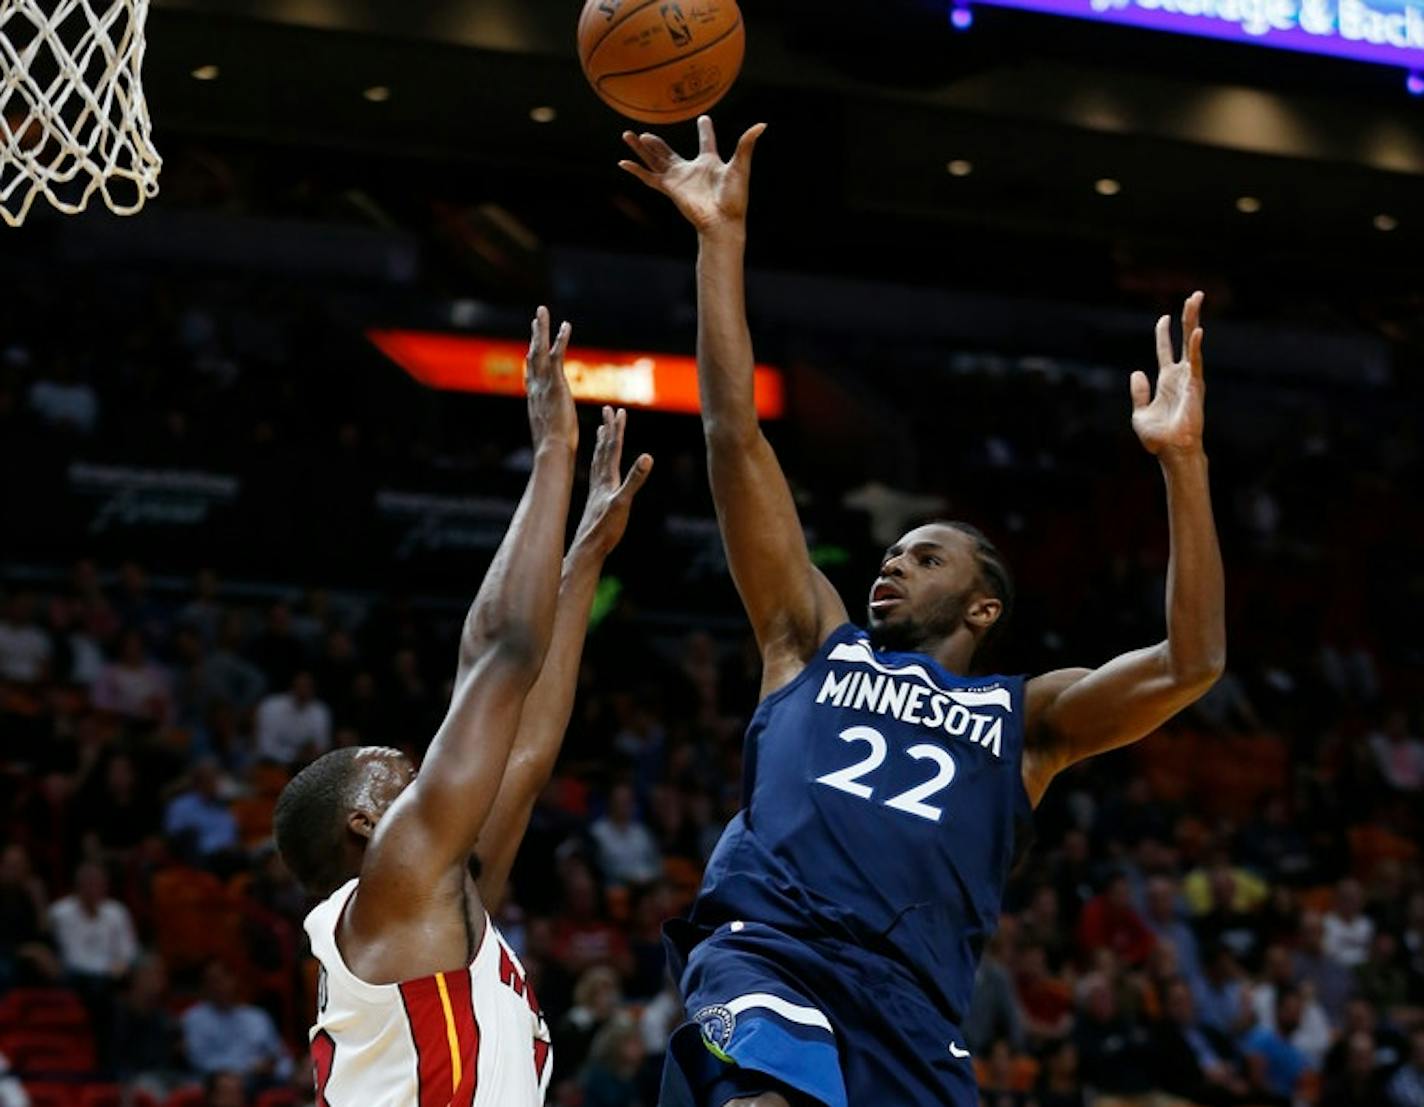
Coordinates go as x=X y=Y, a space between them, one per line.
x=709 y=192
x=610 y=494
x=551 y=405
x=1171 y=421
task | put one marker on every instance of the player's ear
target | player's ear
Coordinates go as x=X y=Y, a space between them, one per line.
x=361 y=824
x=984 y=612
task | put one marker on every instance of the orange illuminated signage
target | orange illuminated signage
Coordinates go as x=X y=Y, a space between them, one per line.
x=661 y=382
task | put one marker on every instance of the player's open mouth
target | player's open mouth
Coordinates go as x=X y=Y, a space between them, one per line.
x=884 y=597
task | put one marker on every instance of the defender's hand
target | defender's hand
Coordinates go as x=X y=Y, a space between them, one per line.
x=605 y=515
x=1171 y=422
x=551 y=405
x=708 y=191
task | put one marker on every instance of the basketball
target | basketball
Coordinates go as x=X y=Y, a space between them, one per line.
x=661 y=61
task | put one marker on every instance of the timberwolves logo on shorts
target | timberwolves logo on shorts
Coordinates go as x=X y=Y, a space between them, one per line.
x=717 y=1023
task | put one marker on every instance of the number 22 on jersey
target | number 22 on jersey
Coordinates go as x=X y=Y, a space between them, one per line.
x=912 y=800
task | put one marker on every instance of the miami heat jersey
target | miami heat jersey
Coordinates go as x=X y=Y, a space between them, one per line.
x=883 y=799
x=474 y=1037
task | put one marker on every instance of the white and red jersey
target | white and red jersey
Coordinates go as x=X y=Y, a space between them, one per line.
x=470 y=1038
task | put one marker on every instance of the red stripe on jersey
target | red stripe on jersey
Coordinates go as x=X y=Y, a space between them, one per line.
x=467 y=1027
x=430 y=1032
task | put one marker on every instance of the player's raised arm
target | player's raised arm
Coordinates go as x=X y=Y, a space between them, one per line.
x=1075 y=713
x=551 y=700
x=792 y=607
x=420 y=847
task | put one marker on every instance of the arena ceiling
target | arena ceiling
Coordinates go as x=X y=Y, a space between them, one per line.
x=869 y=100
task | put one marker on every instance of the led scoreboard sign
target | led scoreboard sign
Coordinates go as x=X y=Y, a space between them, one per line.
x=1388 y=32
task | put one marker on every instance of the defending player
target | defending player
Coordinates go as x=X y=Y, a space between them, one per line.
x=830 y=955
x=421 y=1002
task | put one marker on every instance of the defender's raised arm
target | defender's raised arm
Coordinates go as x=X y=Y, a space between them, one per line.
x=791 y=605
x=422 y=844
x=551 y=700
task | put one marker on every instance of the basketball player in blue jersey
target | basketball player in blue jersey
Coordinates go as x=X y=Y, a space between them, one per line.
x=830 y=955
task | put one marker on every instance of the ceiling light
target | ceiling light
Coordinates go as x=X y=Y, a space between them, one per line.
x=1248 y=205
x=377 y=94
x=1106 y=186
x=960 y=168
x=543 y=114
x=1385 y=222
x=205 y=73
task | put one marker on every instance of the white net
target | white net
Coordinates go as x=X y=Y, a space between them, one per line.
x=73 y=120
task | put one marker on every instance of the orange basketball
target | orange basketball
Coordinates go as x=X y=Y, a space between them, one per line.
x=661 y=61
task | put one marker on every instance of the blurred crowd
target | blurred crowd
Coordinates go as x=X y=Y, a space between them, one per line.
x=1231 y=912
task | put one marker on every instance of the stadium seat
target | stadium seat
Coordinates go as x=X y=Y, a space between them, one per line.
x=42 y=1009
x=40 y=1051
x=186 y=1097
x=195 y=917
x=51 y=1095
x=277 y=1097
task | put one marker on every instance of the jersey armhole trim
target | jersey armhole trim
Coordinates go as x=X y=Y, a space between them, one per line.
x=822 y=652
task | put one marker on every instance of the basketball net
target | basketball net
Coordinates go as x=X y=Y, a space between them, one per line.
x=73 y=120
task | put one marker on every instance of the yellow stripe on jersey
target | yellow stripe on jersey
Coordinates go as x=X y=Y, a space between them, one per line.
x=455 y=1073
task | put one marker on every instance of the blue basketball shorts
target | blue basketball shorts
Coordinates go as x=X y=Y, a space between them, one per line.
x=824 y=1023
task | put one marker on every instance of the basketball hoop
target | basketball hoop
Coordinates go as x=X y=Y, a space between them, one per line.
x=73 y=120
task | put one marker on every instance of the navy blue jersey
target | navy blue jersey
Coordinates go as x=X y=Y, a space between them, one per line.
x=883 y=799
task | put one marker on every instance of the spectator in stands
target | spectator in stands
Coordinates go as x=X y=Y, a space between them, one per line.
x=597 y=998
x=293 y=727
x=1059 y=1081
x=78 y=658
x=1218 y=1002
x=1399 y=755
x=1164 y=920
x=278 y=652
x=1406 y=1087
x=94 y=934
x=25 y=955
x=1040 y=923
x=223 y=1035
x=1348 y=930
x=1044 y=1000
x=138 y=609
x=228 y=676
x=199 y=820
x=1192 y=1060
x=1225 y=924
x=224 y=1089
x=627 y=851
x=1330 y=981
x=1002 y=1081
x=115 y=805
x=614 y=1062
x=1112 y=1049
x=1360 y=1080
x=133 y=686
x=1109 y=921
x=1310 y=1033
x=1276 y=1066
x=144 y=1053
x=25 y=648
x=203 y=614
x=1382 y=978
x=994 y=1012
x=581 y=937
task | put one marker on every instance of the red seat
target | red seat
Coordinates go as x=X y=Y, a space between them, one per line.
x=111 y=1095
x=185 y=1097
x=42 y=1008
x=277 y=1097
x=51 y=1095
x=45 y=1051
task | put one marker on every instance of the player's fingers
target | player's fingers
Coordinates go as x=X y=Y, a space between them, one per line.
x=605 y=465
x=1141 y=390
x=1194 y=351
x=561 y=343
x=1164 y=343
x=539 y=335
x=636 y=477
x=649 y=179
x=706 y=136
x=747 y=144
x=1191 y=313
x=654 y=145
